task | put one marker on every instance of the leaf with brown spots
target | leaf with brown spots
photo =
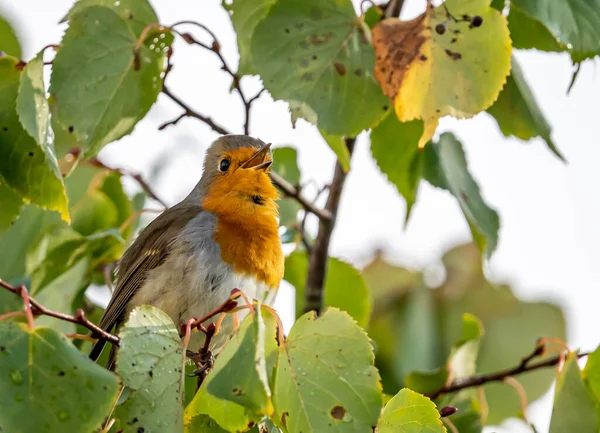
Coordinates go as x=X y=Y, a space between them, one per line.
x=325 y=379
x=441 y=64
x=38 y=365
x=150 y=360
x=314 y=55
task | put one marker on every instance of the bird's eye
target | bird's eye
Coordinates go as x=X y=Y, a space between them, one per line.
x=224 y=165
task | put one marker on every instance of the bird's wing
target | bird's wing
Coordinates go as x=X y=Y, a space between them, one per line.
x=148 y=252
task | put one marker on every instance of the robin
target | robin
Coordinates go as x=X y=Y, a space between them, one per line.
x=223 y=235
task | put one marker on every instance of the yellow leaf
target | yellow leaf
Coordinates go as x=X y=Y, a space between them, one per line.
x=451 y=60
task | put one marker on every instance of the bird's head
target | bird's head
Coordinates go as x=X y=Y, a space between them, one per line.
x=235 y=184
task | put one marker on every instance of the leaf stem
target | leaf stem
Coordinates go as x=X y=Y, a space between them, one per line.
x=317 y=263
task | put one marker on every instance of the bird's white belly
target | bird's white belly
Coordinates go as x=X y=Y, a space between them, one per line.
x=192 y=287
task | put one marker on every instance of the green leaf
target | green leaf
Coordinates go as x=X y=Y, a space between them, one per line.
x=32 y=105
x=325 y=378
x=105 y=206
x=150 y=362
x=11 y=206
x=394 y=146
x=203 y=424
x=20 y=236
x=99 y=47
x=338 y=145
x=138 y=13
x=591 y=374
x=314 y=55
x=229 y=415
x=509 y=335
x=529 y=33
x=243 y=379
x=36 y=367
x=575 y=23
x=29 y=168
x=517 y=112
x=60 y=252
x=373 y=15
x=427 y=381
x=285 y=164
x=573 y=409
x=344 y=286
x=410 y=412
x=445 y=166
x=417 y=333
x=9 y=42
x=245 y=15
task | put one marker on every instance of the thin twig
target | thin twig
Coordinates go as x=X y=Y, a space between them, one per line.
x=135 y=176
x=38 y=309
x=291 y=191
x=317 y=264
x=498 y=376
x=191 y=113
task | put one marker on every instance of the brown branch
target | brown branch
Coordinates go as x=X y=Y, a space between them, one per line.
x=79 y=319
x=291 y=191
x=317 y=264
x=393 y=8
x=191 y=113
x=135 y=176
x=499 y=376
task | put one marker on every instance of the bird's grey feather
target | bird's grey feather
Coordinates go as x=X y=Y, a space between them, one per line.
x=148 y=252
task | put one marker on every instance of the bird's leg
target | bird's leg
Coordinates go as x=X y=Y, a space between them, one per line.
x=204 y=358
x=236 y=321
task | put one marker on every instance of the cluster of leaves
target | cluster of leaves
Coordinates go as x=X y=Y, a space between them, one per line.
x=415 y=329
x=65 y=219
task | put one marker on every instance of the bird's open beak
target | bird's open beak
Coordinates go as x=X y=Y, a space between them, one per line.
x=257 y=161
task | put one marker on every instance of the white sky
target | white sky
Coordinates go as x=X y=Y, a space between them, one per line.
x=550 y=212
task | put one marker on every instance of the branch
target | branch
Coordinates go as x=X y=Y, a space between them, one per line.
x=499 y=376
x=393 y=8
x=291 y=191
x=135 y=176
x=36 y=309
x=317 y=265
x=188 y=112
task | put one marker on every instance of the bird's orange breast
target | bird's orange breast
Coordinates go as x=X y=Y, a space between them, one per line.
x=252 y=252
x=247 y=233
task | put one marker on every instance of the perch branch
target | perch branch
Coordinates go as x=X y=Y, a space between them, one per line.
x=500 y=376
x=38 y=309
x=317 y=265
